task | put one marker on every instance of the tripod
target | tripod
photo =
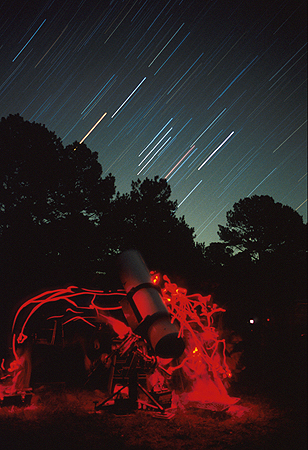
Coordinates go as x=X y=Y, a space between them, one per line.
x=129 y=361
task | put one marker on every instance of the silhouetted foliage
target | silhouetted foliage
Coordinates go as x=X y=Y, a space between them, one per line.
x=258 y=225
x=61 y=223
x=265 y=274
x=217 y=254
x=51 y=198
x=42 y=180
x=148 y=222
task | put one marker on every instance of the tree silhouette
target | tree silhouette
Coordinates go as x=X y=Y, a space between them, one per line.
x=266 y=276
x=82 y=189
x=51 y=201
x=260 y=226
x=266 y=280
x=217 y=254
x=42 y=180
x=148 y=222
x=60 y=221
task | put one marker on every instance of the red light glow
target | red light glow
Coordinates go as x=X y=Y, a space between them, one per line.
x=203 y=362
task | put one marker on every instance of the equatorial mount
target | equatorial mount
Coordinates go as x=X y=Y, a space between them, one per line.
x=129 y=364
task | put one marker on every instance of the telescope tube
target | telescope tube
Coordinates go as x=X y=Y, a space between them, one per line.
x=144 y=309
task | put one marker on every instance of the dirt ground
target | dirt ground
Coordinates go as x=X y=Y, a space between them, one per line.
x=59 y=418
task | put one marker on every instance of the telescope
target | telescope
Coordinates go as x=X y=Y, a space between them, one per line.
x=144 y=309
x=149 y=319
x=145 y=312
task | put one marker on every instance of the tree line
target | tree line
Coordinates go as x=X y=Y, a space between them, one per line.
x=62 y=223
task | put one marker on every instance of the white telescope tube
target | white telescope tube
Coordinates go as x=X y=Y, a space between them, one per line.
x=144 y=309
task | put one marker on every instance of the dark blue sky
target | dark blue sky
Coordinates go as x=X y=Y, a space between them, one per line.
x=209 y=94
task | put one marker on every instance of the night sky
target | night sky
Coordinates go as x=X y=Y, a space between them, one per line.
x=210 y=95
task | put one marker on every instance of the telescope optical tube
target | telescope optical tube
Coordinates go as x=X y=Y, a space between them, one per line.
x=144 y=309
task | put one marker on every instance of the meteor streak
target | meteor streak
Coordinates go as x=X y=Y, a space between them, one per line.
x=121 y=106
x=213 y=153
x=92 y=128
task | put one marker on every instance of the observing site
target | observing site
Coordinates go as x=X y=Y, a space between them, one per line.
x=153 y=225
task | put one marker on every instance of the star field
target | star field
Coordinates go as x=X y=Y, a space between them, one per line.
x=210 y=95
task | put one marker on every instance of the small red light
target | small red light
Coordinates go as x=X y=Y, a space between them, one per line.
x=155 y=277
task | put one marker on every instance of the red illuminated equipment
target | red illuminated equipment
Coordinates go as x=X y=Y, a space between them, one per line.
x=159 y=319
x=144 y=308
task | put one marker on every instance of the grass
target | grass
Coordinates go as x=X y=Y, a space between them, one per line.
x=271 y=415
x=59 y=418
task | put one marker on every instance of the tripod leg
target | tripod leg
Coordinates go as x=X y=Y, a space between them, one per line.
x=111 y=374
x=151 y=397
x=97 y=407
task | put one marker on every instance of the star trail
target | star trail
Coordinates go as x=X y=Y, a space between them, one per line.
x=208 y=94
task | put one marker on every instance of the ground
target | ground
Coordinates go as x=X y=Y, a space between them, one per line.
x=271 y=413
x=61 y=418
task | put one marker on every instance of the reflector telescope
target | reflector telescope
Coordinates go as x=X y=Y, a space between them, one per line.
x=144 y=309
